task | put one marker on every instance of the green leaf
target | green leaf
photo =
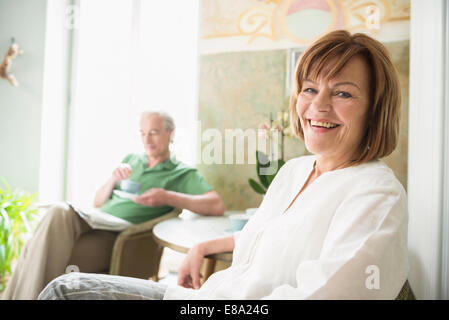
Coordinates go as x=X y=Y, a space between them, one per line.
x=9 y=252
x=16 y=209
x=8 y=188
x=5 y=204
x=262 y=163
x=2 y=256
x=6 y=223
x=268 y=170
x=279 y=164
x=256 y=187
x=262 y=159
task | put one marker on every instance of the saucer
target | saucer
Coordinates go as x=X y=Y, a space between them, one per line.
x=123 y=194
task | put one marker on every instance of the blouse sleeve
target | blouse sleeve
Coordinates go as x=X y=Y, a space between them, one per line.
x=236 y=236
x=364 y=255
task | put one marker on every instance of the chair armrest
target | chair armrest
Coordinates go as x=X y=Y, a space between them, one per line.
x=406 y=292
x=132 y=232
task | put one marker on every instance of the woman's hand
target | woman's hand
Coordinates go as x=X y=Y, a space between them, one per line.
x=189 y=275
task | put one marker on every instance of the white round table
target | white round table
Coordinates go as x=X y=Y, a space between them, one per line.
x=186 y=230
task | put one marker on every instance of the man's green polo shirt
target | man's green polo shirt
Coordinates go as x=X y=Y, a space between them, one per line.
x=169 y=175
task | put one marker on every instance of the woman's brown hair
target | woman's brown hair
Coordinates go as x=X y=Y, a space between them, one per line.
x=382 y=127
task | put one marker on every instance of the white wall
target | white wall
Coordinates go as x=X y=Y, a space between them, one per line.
x=20 y=108
x=445 y=246
x=445 y=225
x=428 y=55
x=56 y=100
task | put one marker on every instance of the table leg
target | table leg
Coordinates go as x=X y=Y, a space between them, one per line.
x=209 y=268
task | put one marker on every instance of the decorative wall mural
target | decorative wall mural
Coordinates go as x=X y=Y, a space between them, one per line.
x=248 y=25
x=249 y=49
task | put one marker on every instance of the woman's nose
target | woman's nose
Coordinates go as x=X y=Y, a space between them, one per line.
x=322 y=102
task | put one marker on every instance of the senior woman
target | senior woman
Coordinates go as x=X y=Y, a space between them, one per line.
x=332 y=225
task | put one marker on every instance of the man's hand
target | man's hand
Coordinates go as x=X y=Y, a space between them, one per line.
x=154 y=197
x=208 y=203
x=122 y=172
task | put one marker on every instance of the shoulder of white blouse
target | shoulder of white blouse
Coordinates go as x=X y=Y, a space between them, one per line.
x=299 y=161
x=377 y=174
x=295 y=164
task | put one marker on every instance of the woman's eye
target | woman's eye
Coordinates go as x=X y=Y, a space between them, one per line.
x=343 y=94
x=309 y=90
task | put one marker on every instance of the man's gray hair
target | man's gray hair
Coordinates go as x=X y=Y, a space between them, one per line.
x=169 y=123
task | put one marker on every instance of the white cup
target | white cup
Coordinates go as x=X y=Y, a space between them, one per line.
x=238 y=221
x=251 y=211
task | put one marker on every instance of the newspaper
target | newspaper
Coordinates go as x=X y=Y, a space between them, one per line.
x=101 y=220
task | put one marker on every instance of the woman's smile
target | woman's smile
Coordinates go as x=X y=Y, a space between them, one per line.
x=333 y=111
x=322 y=125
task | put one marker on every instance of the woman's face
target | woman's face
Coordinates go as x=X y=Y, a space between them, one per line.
x=332 y=112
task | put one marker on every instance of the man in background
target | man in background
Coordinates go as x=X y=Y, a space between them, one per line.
x=165 y=183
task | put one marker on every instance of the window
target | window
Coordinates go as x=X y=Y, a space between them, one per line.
x=129 y=56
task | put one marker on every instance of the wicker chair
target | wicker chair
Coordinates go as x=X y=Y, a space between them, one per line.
x=135 y=253
x=406 y=292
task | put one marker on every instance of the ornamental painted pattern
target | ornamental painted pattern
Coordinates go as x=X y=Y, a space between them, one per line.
x=247 y=25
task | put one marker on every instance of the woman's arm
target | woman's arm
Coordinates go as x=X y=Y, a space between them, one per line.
x=189 y=273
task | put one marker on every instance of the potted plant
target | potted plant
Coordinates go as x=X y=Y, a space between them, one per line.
x=268 y=166
x=16 y=216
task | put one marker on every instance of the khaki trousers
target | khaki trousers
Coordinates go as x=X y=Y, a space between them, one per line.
x=63 y=242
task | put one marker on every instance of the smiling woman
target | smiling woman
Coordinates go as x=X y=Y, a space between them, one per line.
x=333 y=112
x=332 y=225
x=357 y=78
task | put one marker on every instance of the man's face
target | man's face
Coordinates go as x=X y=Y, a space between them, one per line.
x=155 y=137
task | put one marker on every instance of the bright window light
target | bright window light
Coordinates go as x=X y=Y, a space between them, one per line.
x=130 y=56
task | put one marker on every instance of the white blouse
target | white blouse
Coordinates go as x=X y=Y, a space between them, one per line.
x=345 y=237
